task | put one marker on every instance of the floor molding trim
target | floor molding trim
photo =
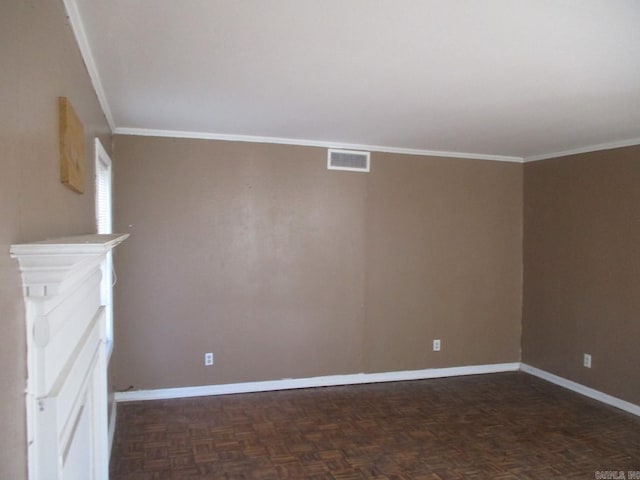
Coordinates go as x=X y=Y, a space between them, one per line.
x=326 y=381
x=582 y=389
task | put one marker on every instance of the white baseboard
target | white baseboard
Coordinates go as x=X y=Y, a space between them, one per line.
x=112 y=425
x=327 y=381
x=583 y=390
x=359 y=378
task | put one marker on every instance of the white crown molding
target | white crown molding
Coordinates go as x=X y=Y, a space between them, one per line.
x=85 y=50
x=582 y=389
x=146 y=132
x=592 y=148
x=327 y=381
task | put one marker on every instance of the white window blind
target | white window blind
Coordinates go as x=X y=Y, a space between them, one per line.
x=104 y=224
x=103 y=190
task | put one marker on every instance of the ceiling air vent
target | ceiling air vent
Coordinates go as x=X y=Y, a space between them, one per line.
x=348 y=160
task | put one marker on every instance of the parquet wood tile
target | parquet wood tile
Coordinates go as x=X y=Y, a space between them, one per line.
x=500 y=426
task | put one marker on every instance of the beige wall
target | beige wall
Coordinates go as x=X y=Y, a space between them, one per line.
x=444 y=249
x=40 y=61
x=282 y=268
x=582 y=269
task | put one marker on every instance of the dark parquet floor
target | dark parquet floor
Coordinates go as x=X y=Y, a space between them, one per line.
x=500 y=426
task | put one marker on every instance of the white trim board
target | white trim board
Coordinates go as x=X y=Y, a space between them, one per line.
x=582 y=389
x=146 y=132
x=590 y=148
x=360 y=378
x=112 y=425
x=85 y=50
x=327 y=381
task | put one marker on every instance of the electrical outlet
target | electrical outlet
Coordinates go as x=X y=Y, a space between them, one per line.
x=208 y=359
x=587 y=360
x=436 y=345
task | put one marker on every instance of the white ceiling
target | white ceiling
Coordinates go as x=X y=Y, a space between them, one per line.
x=523 y=79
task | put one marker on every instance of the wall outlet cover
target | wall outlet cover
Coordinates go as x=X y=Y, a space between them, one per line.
x=208 y=359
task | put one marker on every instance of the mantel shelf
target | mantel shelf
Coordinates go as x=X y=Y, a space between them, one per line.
x=78 y=244
x=48 y=266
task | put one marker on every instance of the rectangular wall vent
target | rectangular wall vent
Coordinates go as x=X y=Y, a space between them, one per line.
x=348 y=160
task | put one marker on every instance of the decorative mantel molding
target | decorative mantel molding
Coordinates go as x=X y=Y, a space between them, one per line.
x=66 y=396
x=51 y=266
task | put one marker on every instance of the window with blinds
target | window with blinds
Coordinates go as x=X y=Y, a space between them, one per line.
x=103 y=190
x=104 y=225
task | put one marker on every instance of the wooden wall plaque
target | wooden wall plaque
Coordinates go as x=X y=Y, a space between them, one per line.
x=71 y=147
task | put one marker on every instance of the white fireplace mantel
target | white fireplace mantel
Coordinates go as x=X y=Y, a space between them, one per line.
x=50 y=266
x=67 y=418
